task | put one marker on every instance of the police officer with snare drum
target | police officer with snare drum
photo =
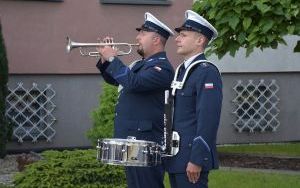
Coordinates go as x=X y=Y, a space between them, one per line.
x=197 y=89
x=140 y=107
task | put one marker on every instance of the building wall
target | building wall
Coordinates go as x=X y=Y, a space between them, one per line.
x=77 y=95
x=35 y=31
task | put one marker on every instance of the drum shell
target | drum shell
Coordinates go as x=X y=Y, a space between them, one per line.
x=129 y=152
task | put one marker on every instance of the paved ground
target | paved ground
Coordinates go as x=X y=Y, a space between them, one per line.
x=8 y=167
x=12 y=164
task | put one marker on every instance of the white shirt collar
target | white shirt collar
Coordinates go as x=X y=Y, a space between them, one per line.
x=190 y=60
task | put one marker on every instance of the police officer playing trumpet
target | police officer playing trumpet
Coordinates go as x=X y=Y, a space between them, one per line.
x=140 y=106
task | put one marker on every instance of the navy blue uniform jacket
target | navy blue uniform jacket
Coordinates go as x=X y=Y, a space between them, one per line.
x=140 y=106
x=196 y=119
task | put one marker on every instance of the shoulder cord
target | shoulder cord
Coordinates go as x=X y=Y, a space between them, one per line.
x=179 y=84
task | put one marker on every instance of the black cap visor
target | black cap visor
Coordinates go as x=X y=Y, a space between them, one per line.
x=183 y=28
x=145 y=28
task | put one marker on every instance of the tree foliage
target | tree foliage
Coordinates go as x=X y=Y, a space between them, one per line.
x=250 y=23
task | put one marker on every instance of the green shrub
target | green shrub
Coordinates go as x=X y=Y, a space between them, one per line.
x=103 y=116
x=5 y=128
x=72 y=169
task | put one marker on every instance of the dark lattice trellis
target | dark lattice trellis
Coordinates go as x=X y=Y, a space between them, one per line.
x=256 y=106
x=30 y=110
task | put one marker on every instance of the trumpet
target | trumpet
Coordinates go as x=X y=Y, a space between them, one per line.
x=71 y=45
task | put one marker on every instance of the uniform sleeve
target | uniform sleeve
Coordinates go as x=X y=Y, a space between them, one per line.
x=208 y=110
x=102 y=67
x=153 y=77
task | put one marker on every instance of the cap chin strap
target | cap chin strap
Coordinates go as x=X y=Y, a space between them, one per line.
x=179 y=84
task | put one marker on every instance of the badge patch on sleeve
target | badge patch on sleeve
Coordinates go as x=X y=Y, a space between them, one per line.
x=157 y=68
x=209 y=85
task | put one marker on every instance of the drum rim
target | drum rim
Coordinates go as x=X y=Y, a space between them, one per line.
x=122 y=140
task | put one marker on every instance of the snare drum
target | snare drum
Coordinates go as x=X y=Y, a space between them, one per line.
x=129 y=152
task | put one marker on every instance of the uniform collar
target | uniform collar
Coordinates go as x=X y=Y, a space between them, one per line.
x=159 y=55
x=191 y=59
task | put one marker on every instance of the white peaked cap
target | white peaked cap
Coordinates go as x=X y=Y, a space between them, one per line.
x=155 y=25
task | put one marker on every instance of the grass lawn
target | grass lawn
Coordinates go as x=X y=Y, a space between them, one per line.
x=245 y=179
x=236 y=179
x=287 y=149
x=254 y=179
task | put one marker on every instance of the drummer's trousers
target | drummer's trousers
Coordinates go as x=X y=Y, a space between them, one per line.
x=145 y=177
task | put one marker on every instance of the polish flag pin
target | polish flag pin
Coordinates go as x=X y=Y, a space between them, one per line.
x=208 y=85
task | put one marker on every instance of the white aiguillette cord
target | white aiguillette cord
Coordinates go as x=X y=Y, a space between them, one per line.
x=179 y=84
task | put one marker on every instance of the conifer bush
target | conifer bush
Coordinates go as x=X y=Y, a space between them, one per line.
x=5 y=129
x=103 y=116
x=74 y=169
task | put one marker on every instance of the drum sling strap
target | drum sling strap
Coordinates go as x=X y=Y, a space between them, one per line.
x=171 y=137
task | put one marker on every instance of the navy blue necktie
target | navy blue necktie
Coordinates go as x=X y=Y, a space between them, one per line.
x=181 y=72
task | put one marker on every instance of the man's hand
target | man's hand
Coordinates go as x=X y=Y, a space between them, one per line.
x=107 y=51
x=193 y=172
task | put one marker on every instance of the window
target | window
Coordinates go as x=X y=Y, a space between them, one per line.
x=256 y=106
x=30 y=111
x=137 y=2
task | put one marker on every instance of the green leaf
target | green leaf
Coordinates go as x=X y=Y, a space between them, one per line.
x=249 y=50
x=251 y=36
x=233 y=48
x=267 y=25
x=246 y=23
x=233 y=21
x=291 y=29
x=278 y=10
x=212 y=14
x=297 y=47
x=220 y=14
x=255 y=29
x=262 y=7
x=213 y=3
x=223 y=31
x=281 y=41
x=237 y=9
x=241 y=38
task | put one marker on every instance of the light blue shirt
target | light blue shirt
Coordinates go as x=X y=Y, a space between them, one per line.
x=190 y=60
